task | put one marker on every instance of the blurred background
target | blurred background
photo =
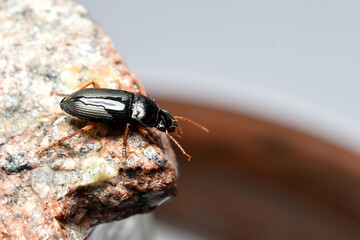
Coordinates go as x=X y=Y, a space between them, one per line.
x=277 y=84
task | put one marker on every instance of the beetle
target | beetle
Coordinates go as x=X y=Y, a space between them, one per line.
x=118 y=106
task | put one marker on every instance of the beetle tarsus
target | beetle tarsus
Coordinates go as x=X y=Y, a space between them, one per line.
x=144 y=131
x=52 y=93
x=126 y=135
x=89 y=126
x=86 y=84
x=179 y=146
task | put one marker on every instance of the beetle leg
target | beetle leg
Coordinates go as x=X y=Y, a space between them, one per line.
x=82 y=86
x=87 y=83
x=179 y=146
x=58 y=94
x=136 y=81
x=124 y=147
x=144 y=131
x=89 y=126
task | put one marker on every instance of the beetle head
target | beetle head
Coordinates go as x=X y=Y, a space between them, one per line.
x=166 y=122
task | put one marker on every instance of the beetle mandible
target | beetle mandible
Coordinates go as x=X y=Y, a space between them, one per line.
x=113 y=105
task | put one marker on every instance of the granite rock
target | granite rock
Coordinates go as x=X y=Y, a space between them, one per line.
x=53 y=46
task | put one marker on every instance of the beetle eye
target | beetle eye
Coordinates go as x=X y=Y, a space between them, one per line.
x=171 y=129
x=161 y=127
x=166 y=122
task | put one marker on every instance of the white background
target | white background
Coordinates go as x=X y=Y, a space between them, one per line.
x=295 y=62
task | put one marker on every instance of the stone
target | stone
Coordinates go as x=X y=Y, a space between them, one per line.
x=53 y=46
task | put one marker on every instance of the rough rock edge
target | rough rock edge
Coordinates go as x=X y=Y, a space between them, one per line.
x=48 y=45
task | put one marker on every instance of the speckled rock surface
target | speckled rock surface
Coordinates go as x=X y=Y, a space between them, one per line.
x=53 y=46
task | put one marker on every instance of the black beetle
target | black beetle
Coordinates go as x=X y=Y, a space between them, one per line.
x=112 y=105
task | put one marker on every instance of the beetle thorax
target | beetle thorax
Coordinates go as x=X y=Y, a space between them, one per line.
x=145 y=111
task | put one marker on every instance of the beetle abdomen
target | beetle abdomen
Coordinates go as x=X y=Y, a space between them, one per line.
x=99 y=104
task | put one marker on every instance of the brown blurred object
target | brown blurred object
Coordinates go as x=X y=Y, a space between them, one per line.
x=253 y=179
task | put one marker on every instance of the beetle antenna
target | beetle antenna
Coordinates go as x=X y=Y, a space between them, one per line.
x=176 y=134
x=192 y=122
x=178 y=145
x=179 y=130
